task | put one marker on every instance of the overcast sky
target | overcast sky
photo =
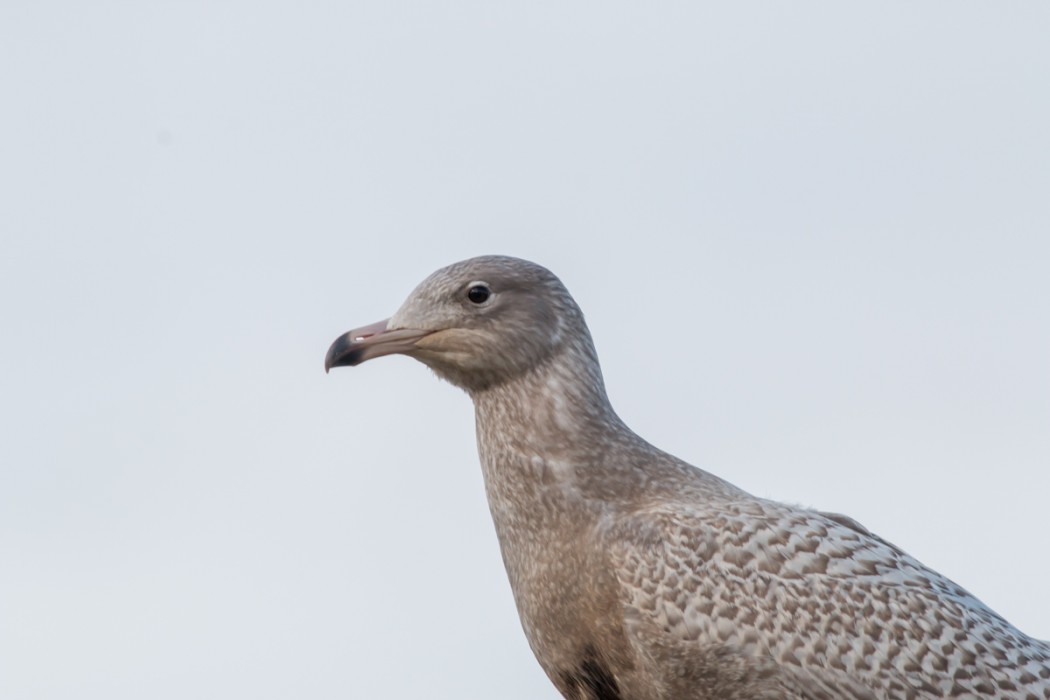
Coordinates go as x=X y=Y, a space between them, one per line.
x=812 y=241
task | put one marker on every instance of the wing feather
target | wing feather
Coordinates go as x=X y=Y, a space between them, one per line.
x=813 y=605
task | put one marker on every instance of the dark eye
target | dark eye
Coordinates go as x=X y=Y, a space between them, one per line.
x=479 y=294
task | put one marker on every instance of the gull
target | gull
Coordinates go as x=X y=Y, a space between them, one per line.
x=640 y=577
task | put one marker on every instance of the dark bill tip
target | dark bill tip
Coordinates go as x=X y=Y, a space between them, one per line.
x=343 y=353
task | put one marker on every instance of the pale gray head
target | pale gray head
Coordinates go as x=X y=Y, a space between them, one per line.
x=478 y=323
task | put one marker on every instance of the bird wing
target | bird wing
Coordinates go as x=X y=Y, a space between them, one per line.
x=807 y=604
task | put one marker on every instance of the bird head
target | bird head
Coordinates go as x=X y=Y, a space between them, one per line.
x=476 y=323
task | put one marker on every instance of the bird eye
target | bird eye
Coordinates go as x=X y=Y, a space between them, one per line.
x=479 y=293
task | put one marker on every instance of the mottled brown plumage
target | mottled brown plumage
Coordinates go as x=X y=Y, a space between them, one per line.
x=640 y=577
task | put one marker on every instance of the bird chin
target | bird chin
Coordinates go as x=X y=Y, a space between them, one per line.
x=461 y=367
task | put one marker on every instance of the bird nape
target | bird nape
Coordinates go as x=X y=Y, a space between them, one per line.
x=640 y=577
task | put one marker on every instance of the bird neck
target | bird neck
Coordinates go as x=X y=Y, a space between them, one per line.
x=556 y=408
x=544 y=440
x=550 y=444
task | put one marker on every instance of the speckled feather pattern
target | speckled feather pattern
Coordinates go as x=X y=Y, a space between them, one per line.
x=640 y=577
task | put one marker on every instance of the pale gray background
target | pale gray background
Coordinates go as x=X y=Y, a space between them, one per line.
x=812 y=241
